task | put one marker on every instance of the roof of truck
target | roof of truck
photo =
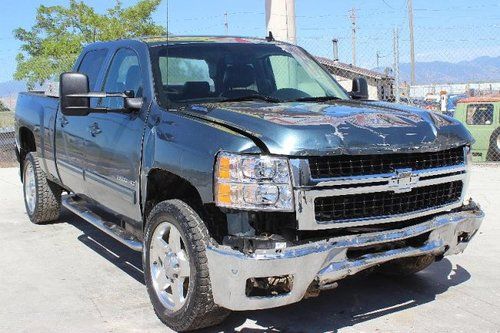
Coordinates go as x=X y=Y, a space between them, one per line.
x=157 y=40
x=480 y=99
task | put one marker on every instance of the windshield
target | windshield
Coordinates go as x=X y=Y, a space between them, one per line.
x=216 y=72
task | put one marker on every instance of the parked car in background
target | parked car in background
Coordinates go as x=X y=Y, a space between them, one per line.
x=481 y=117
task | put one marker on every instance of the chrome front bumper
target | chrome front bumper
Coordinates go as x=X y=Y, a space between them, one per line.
x=325 y=262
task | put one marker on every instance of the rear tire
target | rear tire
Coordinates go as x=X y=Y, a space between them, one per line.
x=406 y=266
x=42 y=198
x=180 y=253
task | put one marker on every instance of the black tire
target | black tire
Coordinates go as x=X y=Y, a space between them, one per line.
x=494 y=149
x=199 y=309
x=406 y=266
x=47 y=202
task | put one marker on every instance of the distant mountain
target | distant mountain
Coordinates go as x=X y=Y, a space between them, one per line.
x=482 y=69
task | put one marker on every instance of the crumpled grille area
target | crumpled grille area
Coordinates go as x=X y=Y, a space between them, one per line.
x=366 y=205
x=352 y=165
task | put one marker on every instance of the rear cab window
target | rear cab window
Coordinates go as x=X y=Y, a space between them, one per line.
x=480 y=114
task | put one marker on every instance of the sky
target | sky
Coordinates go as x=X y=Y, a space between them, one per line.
x=445 y=30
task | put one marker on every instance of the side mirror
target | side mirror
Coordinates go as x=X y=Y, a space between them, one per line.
x=74 y=84
x=133 y=103
x=75 y=97
x=359 y=88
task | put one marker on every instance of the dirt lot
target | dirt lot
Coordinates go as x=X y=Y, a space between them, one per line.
x=69 y=277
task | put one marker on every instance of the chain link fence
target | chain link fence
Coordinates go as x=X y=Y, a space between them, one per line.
x=450 y=64
x=7 y=144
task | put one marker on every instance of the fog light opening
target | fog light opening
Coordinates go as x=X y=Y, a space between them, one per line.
x=269 y=286
x=464 y=237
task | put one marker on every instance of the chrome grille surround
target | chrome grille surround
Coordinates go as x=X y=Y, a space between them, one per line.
x=307 y=189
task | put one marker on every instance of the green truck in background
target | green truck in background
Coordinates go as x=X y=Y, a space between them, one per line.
x=481 y=116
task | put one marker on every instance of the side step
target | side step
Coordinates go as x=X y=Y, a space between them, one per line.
x=79 y=208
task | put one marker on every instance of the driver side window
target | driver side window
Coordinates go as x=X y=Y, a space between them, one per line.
x=123 y=75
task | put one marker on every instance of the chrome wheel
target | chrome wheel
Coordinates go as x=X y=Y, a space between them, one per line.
x=169 y=266
x=30 y=188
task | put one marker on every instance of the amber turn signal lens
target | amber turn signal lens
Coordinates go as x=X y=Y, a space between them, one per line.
x=224 y=193
x=224 y=171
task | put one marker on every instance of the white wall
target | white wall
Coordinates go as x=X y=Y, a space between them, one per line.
x=347 y=85
x=456 y=88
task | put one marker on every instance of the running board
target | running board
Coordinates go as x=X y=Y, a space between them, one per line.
x=79 y=208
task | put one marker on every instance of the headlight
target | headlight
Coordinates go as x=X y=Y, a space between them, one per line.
x=253 y=182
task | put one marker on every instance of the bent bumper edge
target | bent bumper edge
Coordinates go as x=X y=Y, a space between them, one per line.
x=325 y=262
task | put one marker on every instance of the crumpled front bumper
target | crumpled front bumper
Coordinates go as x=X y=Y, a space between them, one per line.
x=325 y=262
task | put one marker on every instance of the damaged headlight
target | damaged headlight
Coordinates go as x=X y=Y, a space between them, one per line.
x=253 y=182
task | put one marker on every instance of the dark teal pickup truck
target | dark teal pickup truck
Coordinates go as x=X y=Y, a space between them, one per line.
x=245 y=174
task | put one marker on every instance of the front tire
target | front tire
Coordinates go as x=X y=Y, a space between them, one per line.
x=176 y=270
x=42 y=198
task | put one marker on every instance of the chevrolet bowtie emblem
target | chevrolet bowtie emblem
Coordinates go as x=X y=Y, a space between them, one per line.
x=404 y=180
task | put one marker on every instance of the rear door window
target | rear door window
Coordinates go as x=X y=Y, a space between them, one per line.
x=91 y=65
x=480 y=114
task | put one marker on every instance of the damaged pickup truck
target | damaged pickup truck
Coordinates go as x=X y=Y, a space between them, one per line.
x=241 y=169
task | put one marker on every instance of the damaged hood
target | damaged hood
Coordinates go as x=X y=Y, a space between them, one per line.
x=337 y=127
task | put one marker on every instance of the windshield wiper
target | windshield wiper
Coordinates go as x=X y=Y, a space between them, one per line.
x=315 y=99
x=251 y=98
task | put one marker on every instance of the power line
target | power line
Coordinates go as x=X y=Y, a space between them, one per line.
x=387 y=4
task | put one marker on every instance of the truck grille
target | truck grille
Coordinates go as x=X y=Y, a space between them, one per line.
x=352 y=165
x=379 y=204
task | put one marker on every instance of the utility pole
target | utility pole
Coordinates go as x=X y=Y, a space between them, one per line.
x=378 y=58
x=352 y=16
x=412 y=42
x=395 y=44
x=226 y=23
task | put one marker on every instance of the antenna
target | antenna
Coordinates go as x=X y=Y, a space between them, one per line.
x=270 y=37
x=226 y=23
x=168 y=19
x=168 y=43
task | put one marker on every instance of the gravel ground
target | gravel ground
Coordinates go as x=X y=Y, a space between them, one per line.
x=69 y=277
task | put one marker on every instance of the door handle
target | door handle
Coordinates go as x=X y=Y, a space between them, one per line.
x=64 y=121
x=94 y=129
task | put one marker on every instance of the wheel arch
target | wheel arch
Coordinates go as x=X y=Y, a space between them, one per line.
x=164 y=185
x=27 y=144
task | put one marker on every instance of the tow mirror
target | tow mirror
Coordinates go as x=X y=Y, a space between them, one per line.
x=359 y=88
x=74 y=84
x=75 y=97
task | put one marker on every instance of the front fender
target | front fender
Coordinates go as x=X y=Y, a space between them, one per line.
x=187 y=147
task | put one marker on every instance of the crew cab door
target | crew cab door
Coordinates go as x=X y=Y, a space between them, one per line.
x=114 y=148
x=71 y=132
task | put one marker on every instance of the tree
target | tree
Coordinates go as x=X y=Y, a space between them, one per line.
x=59 y=34
x=3 y=107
